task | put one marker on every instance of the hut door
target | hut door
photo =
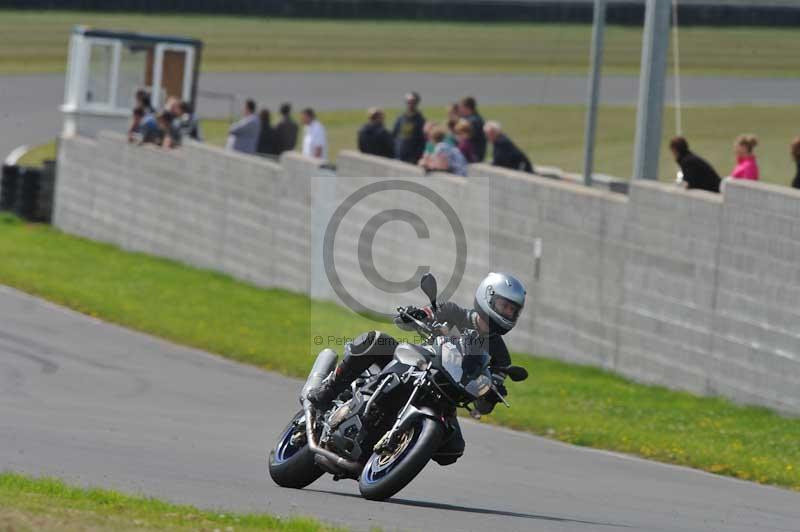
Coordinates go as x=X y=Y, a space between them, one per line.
x=173 y=73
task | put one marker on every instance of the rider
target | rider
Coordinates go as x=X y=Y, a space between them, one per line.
x=498 y=303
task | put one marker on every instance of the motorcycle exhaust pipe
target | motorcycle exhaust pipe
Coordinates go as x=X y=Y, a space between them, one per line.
x=323 y=365
x=353 y=468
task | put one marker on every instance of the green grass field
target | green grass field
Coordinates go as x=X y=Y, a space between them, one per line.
x=28 y=504
x=580 y=405
x=36 y=42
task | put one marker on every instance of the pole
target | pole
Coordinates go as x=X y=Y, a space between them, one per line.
x=655 y=44
x=598 y=33
x=676 y=61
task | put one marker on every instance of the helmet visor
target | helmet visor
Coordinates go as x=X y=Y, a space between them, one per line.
x=506 y=308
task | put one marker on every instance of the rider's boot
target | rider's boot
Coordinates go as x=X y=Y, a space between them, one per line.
x=370 y=347
x=335 y=383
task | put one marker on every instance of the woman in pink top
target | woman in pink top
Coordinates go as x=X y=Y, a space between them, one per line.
x=746 y=165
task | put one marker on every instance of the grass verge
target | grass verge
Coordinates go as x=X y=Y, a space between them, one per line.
x=47 y=504
x=271 y=329
x=710 y=130
x=36 y=41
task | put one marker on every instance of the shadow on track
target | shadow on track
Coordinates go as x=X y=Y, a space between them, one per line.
x=483 y=511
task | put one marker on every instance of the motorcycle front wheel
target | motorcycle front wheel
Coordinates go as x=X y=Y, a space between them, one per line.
x=291 y=462
x=387 y=473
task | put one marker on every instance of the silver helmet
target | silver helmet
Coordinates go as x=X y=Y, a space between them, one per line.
x=499 y=300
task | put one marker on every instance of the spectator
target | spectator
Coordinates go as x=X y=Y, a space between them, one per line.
x=427 y=129
x=452 y=113
x=373 y=137
x=796 y=157
x=450 y=134
x=697 y=173
x=315 y=142
x=409 y=139
x=463 y=131
x=135 y=127
x=505 y=153
x=173 y=107
x=266 y=138
x=468 y=109
x=142 y=98
x=445 y=157
x=243 y=135
x=746 y=165
x=144 y=128
x=285 y=136
x=188 y=123
x=170 y=135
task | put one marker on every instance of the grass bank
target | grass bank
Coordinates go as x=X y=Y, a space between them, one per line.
x=552 y=135
x=47 y=504
x=37 y=42
x=711 y=131
x=272 y=329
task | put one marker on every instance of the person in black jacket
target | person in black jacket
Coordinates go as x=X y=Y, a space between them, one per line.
x=504 y=152
x=697 y=173
x=266 y=140
x=796 y=157
x=409 y=139
x=373 y=137
x=468 y=109
x=499 y=300
x=285 y=132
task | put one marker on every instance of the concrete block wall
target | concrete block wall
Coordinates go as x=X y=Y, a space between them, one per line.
x=578 y=287
x=666 y=313
x=686 y=289
x=356 y=164
x=200 y=205
x=755 y=354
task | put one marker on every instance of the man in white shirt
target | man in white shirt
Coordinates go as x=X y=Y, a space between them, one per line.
x=315 y=141
x=243 y=135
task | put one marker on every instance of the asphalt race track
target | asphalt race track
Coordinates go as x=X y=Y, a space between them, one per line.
x=29 y=110
x=96 y=404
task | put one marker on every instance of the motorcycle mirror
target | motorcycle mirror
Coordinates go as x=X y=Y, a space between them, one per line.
x=517 y=373
x=428 y=285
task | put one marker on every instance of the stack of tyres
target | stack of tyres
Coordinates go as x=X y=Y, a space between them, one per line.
x=27 y=192
x=8 y=187
x=44 y=201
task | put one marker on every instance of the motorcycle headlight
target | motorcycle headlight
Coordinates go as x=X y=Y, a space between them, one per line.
x=480 y=386
x=452 y=361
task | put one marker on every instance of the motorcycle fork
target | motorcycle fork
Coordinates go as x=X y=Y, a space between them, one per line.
x=388 y=440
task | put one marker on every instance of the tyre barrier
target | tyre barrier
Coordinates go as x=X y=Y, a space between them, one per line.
x=8 y=187
x=28 y=191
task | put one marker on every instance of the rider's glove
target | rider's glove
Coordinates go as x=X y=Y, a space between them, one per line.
x=416 y=313
x=499 y=383
x=485 y=405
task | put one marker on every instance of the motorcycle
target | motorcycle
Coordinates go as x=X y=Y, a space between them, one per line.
x=386 y=428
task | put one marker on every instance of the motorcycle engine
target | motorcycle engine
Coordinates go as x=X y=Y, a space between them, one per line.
x=342 y=413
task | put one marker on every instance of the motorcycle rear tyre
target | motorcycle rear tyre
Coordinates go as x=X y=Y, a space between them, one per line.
x=295 y=471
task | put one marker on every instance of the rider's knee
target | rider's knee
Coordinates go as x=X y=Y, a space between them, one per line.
x=373 y=343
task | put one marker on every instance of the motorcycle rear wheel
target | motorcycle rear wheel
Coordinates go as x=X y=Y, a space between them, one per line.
x=292 y=465
x=384 y=475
